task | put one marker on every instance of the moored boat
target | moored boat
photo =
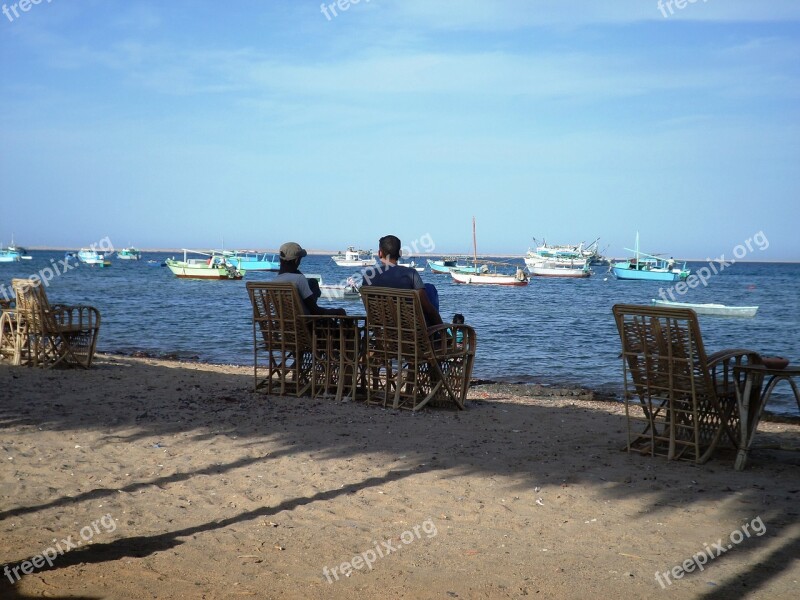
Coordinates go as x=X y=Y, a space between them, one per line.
x=92 y=257
x=129 y=254
x=354 y=258
x=717 y=310
x=347 y=290
x=648 y=267
x=411 y=265
x=252 y=261
x=450 y=263
x=485 y=276
x=213 y=266
x=546 y=268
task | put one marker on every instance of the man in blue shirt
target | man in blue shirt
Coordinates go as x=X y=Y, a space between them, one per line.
x=390 y=274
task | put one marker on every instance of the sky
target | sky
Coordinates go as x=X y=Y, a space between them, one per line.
x=252 y=122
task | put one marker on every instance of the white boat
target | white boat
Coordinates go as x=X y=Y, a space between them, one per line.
x=411 y=265
x=348 y=290
x=354 y=258
x=559 y=268
x=718 y=310
x=212 y=266
x=92 y=257
x=486 y=276
x=518 y=279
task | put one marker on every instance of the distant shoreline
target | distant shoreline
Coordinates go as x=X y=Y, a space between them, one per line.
x=425 y=256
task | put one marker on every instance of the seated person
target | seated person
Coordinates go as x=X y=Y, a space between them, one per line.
x=291 y=254
x=390 y=274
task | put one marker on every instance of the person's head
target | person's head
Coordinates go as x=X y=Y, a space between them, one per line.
x=458 y=318
x=389 y=248
x=291 y=253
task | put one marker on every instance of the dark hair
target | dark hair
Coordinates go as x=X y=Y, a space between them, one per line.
x=458 y=318
x=390 y=246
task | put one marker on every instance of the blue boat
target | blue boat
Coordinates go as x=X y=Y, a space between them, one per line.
x=649 y=268
x=449 y=263
x=251 y=261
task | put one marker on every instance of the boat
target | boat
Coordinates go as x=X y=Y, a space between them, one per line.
x=156 y=263
x=250 y=260
x=129 y=254
x=348 y=290
x=450 y=263
x=411 y=265
x=13 y=253
x=717 y=310
x=551 y=268
x=7 y=256
x=354 y=258
x=487 y=276
x=649 y=268
x=92 y=257
x=213 y=266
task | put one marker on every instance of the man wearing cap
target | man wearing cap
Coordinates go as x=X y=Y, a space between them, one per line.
x=291 y=253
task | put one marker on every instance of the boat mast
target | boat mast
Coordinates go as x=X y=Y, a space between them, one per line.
x=474 y=245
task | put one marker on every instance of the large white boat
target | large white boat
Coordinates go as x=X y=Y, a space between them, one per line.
x=717 y=310
x=518 y=279
x=553 y=268
x=92 y=257
x=354 y=258
x=212 y=266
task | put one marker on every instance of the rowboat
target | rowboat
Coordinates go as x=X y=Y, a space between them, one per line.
x=252 y=261
x=354 y=258
x=486 y=276
x=411 y=265
x=92 y=257
x=649 y=268
x=129 y=254
x=213 y=267
x=717 y=310
x=349 y=290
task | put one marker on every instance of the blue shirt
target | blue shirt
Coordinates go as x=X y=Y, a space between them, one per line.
x=394 y=276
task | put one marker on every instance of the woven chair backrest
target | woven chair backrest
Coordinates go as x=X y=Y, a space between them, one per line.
x=33 y=304
x=278 y=311
x=395 y=321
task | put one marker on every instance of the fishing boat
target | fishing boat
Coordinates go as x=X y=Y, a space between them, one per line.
x=717 y=310
x=450 y=263
x=92 y=257
x=354 y=258
x=487 y=276
x=648 y=267
x=348 y=290
x=551 y=268
x=7 y=256
x=13 y=253
x=129 y=254
x=411 y=265
x=250 y=260
x=213 y=266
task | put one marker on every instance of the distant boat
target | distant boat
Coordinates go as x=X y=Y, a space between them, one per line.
x=718 y=310
x=354 y=258
x=649 y=268
x=348 y=290
x=129 y=254
x=214 y=266
x=450 y=263
x=547 y=268
x=252 y=261
x=156 y=263
x=7 y=257
x=485 y=276
x=411 y=265
x=92 y=257
x=13 y=253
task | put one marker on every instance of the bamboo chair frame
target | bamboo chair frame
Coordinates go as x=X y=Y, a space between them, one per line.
x=679 y=402
x=50 y=335
x=408 y=364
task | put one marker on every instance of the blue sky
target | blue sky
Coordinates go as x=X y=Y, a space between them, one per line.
x=178 y=124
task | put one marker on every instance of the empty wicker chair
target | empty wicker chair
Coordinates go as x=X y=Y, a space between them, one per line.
x=409 y=365
x=53 y=335
x=679 y=402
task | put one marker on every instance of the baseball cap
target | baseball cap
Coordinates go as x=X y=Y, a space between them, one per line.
x=292 y=251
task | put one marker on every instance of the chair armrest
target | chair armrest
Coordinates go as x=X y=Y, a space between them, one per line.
x=726 y=355
x=721 y=365
x=76 y=317
x=451 y=339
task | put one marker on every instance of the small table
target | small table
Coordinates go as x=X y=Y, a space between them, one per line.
x=338 y=351
x=748 y=429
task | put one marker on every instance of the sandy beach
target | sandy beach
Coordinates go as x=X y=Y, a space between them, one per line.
x=144 y=478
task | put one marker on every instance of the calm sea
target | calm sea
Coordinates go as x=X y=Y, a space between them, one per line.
x=552 y=331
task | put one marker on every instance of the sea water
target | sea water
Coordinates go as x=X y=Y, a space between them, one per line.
x=553 y=331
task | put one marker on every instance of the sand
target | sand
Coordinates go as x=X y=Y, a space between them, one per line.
x=175 y=480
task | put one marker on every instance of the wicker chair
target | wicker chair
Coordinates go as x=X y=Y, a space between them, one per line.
x=53 y=335
x=10 y=340
x=679 y=402
x=286 y=337
x=408 y=364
